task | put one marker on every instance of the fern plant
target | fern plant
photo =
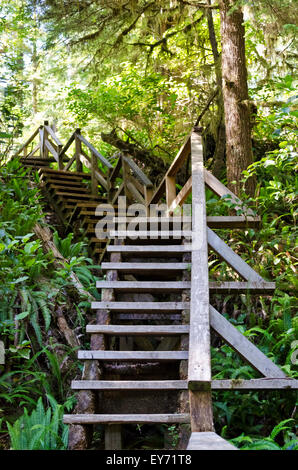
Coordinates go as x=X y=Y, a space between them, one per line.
x=42 y=429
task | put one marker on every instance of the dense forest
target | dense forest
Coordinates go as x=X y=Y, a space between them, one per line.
x=136 y=76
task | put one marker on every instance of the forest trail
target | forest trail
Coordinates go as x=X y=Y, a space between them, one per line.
x=149 y=360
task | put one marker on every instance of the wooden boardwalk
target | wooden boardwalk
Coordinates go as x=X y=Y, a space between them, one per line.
x=149 y=359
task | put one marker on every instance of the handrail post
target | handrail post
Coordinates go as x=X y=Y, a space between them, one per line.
x=45 y=136
x=78 y=145
x=94 y=184
x=170 y=189
x=199 y=360
x=41 y=140
x=148 y=193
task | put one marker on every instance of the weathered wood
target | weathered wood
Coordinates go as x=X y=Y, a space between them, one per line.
x=141 y=306
x=28 y=141
x=53 y=135
x=199 y=364
x=256 y=384
x=133 y=355
x=208 y=441
x=221 y=190
x=70 y=162
x=135 y=193
x=156 y=330
x=233 y=222
x=123 y=419
x=233 y=260
x=266 y=288
x=138 y=172
x=181 y=196
x=135 y=267
x=150 y=248
x=146 y=316
x=170 y=190
x=129 y=385
x=243 y=346
x=113 y=437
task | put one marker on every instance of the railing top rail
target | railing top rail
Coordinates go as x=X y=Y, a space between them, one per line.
x=53 y=135
x=28 y=141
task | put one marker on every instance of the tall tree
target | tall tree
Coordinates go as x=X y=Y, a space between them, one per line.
x=235 y=95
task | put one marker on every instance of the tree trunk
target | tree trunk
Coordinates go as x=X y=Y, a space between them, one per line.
x=235 y=96
x=219 y=153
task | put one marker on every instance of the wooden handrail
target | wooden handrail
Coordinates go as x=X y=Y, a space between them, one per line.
x=95 y=152
x=53 y=135
x=138 y=172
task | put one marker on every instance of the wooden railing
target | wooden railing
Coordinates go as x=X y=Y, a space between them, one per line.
x=133 y=181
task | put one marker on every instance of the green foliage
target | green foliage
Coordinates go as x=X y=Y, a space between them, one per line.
x=42 y=429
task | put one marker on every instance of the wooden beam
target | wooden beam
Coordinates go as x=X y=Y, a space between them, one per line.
x=256 y=384
x=221 y=190
x=96 y=153
x=133 y=355
x=199 y=361
x=129 y=385
x=233 y=260
x=138 y=172
x=208 y=441
x=247 y=350
x=123 y=419
x=182 y=195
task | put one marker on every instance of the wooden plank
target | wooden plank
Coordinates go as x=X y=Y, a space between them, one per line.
x=133 y=355
x=135 y=193
x=70 y=162
x=233 y=222
x=208 y=441
x=153 y=234
x=243 y=346
x=50 y=147
x=53 y=135
x=155 y=330
x=28 y=141
x=117 y=194
x=141 y=306
x=68 y=144
x=266 y=288
x=138 y=172
x=96 y=153
x=170 y=190
x=157 y=316
x=27 y=157
x=256 y=384
x=124 y=419
x=149 y=248
x=88 y=164
x=116 y=170
x=221 y=190
x=199 y=364
x=135 y=267
x=66 y=173
x=181 y=196
x=180 y=158
x=113 y=437
x=129 y=385
x=144 y=286
x=233 y=260
x=77 y=196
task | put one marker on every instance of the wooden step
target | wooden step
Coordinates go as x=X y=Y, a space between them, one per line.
x=145 y=267
x=140 y=306
x=143 y=286
x=134 y=355
x=129 y=385
x=171 y=286
x=154 y=330
x=126 y=419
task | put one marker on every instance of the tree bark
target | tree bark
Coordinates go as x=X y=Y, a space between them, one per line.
x=235 y=96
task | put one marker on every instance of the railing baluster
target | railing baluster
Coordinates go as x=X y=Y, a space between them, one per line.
x=94 y=183
x=45 y=137
x=78 y=150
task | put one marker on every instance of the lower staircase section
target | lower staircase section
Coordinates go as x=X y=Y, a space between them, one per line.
x=139 y=344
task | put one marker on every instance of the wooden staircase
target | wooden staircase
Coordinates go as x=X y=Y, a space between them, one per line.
x=149 y=358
